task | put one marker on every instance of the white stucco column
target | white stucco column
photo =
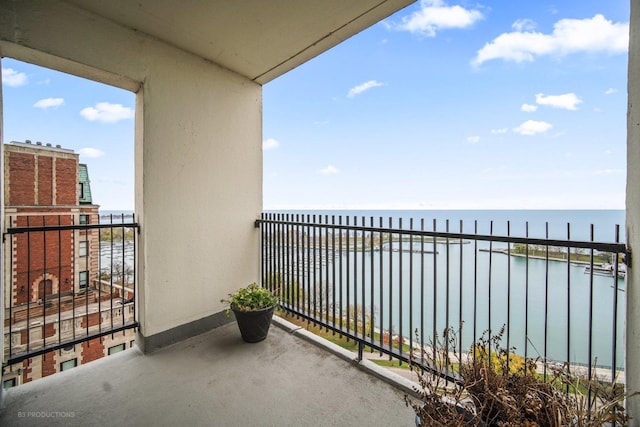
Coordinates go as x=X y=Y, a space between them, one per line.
x=632 y=357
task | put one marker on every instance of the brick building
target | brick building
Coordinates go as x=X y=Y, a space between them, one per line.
x=55 y=282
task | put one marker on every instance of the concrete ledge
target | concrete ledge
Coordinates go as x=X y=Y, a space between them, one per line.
x=396 y=380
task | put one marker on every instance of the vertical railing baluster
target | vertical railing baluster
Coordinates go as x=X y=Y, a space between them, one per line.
x=381 y=284
x=314 y=269
x=28 y=286
x=590 y=332
x=333 y=274
x=447 y=283
x=434 y=342
x=299 y=266
x=348 y=284
x=318 y=298
x=307 y=287
x=400 y=313
x=372 y=285
x=526 y=296
x=460 y=291
x=363 y=281
x=422 y=294
x=124 y=271
x=327 y=259
x=410 y=287
x=134 y=241
x=287 y=258
x=99 y=282
x=340 y=271
x=355 y=276
x=111 y=275
x=489 y=284
x=390 y=288
x=320 y=285
x=568 y=303
x=614 y=339
x=302 y=286
x=614 y=344
x=475 y=289
x=508 y=293
x=43 y=328
x=12 y=260
x=546 y=301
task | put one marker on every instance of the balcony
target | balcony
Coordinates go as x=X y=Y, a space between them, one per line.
x=198 y=245
x=216 y=379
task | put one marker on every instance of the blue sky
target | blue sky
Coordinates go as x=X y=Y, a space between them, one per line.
x=92 y=119
x=444 y=105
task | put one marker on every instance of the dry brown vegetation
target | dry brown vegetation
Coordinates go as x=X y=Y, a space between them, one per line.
x=496 y=387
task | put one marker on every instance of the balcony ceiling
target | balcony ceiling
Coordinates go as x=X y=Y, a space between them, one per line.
x=255 y=38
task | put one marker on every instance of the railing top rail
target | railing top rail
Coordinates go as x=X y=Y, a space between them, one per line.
x=616 y=247
x=30 y=229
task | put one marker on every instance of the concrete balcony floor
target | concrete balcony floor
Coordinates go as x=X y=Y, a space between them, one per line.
x=215 y=379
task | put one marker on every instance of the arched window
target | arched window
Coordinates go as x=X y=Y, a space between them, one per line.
x=45 y=288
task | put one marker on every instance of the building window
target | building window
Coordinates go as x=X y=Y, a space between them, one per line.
x=11 y=382
x=83 y=248
x=68 y=364
x=84 y=280
x=131 y=343
x=116 y=349
x=82 y=190
x=84 y=219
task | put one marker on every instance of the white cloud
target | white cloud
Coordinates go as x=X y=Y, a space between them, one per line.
x=500 y=131
x=524 y=25
x=92 y=153
x=569 y=36
x=49 y=103
x=270 y=144
x=568 y=101
x=329 y=170
x=473 y=139
x=435 y=15
x=357 y=90
x=532 y=127
x=609 y=171
x=13 y=78
x=106 y=112
x=529 y=108
x=610 y=91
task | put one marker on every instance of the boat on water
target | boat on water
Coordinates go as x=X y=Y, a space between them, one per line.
x=606 y=269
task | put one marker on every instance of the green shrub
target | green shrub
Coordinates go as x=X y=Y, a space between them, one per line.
x=250 y=298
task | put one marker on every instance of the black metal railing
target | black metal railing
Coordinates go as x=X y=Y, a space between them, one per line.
x=395 y=289
x=67 y=281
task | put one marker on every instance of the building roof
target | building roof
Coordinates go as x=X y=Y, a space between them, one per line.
x=39 y=146
x=83 y=179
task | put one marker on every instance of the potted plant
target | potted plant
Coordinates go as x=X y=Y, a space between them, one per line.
x=253 y=308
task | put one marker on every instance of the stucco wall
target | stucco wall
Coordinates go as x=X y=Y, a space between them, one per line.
x=198 y=154
x=632 y=371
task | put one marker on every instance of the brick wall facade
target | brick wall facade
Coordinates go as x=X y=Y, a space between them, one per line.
x=42 y=189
